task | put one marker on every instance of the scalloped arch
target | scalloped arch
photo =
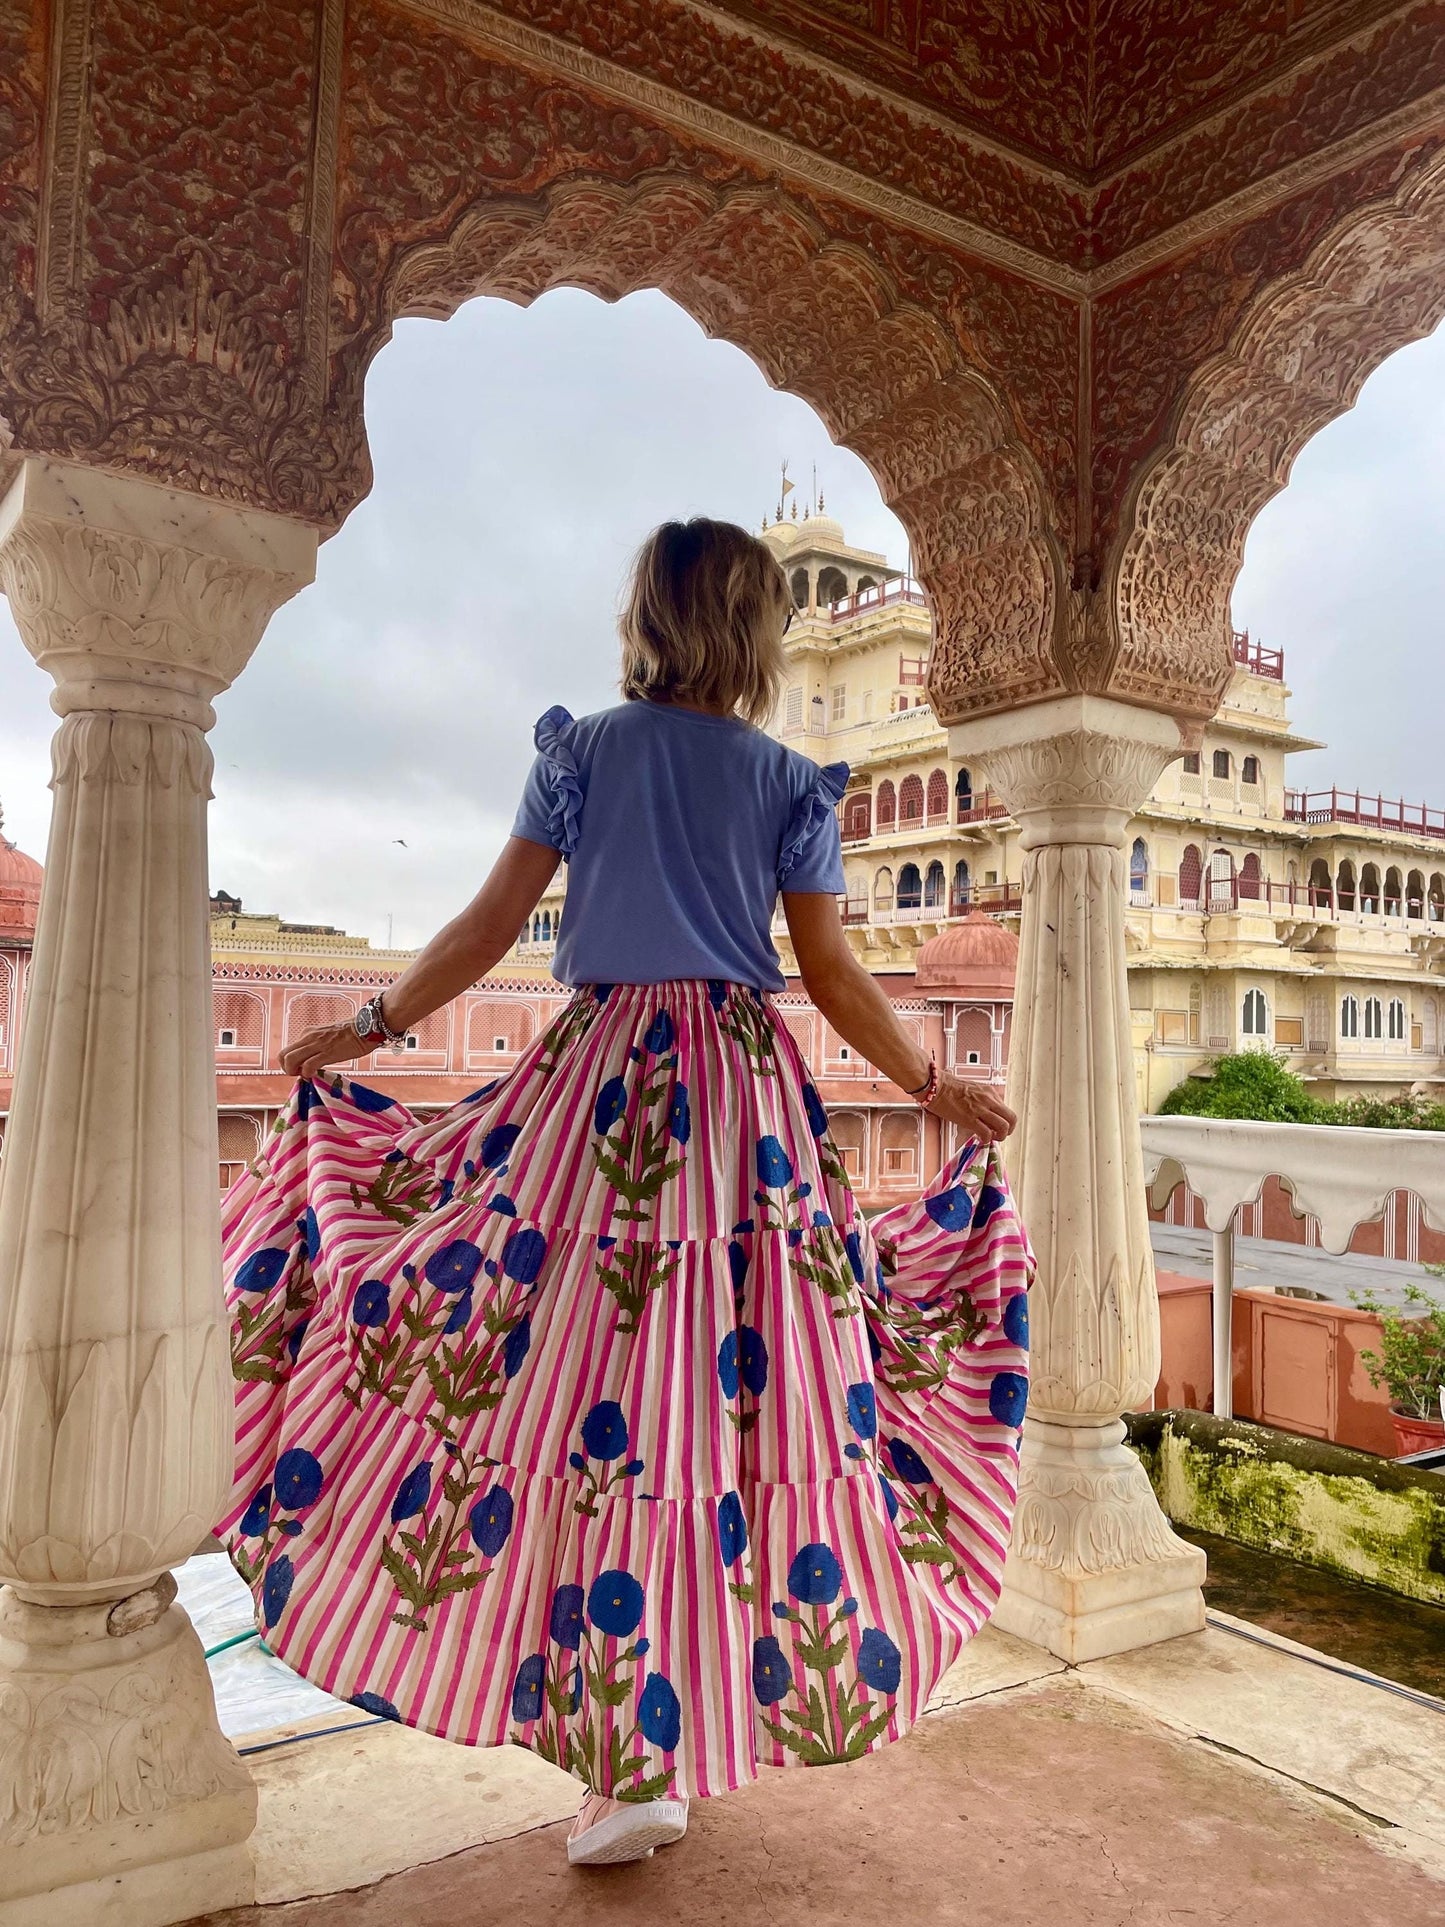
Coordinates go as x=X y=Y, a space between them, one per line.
x=1297 y=359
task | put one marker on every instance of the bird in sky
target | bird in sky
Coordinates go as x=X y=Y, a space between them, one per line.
x=401 y=840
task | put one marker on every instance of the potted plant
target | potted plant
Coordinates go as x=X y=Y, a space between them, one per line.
x=1410 y=1364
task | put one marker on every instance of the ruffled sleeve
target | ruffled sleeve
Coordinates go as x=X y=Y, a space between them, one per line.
x=810 y=857
x=551 y=806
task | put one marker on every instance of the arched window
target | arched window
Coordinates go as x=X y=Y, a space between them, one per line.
x=1254 y=1019
x=498 y=1027
x=1249 y=770
x=1394 y=891
x=1221 y=880
x=1430 y=1026
x=239 y=1017
x=1415 y=894
x=910 y=887
x=910 y=800
x=857 y=815
x=799 y=587
x=933 y=887
x=546 y=926
x=1349 y=1017
x=1249 y=878
x=1191 y=876
x=1374 y=1018
x=1347 y=885
x=1191 y=762
x=1370 y=888
x=938 y=796
x=900 y=1143
x=961 y=886
x=1321 y=890
x=1220 y=764
x=316 y=1007
x=887 y=806
x=832 y=587
x=1435 y=902
x=849 y=1132
x=883 y=894
x=1139 y=870
x=865 y=582
x=963 y=789
x=1395 y=1021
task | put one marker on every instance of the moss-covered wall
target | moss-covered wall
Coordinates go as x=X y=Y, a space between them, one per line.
x=1350 y=1512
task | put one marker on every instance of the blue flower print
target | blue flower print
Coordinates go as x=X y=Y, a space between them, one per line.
x=772 y=1675
x=372 y=1303
x=659 y=1713
x=412 y=1494
x=732 y=1528
x=907 y=1464
x=679 y=1115
x=614 y=1604
x=1016 y=1320
x=566 y=1625
x=310 y=1231
x=454 y=1265
x=307 y=1097
x=490 y=1520
x=604 y=1431
x=601 y=992
x=497 y=1145
x=611 y=1103
x=853 y=1245
x=502 y=1205
x=477 y=1097
x=366 y=1099
x=743 y=1359
x=527 y=1688
x=717 y=992
x=1007 y=1397
x=257 y=1516
x=863 y=1409
x=990 y=1199
x=374 y=1703
x=738 y=1265
x=880 y=1664
x=276 y=1588
x=950 y=1210
x=774 y=1166
x=262 y=1269
x=299 y=1479
x=815 y=1577
x=293 y=1343
x=460 y=1315
x=890 y=1497
x=817 y=1116
x=660 y=1034
x=522 y=1256
x=519 y=1343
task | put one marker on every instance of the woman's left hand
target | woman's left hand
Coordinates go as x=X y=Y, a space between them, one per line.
x=314 y=1049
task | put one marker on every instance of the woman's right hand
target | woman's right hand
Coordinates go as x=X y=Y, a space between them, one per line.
x=973 y=1106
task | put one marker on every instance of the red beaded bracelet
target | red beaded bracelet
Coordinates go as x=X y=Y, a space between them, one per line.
x=928 y=1089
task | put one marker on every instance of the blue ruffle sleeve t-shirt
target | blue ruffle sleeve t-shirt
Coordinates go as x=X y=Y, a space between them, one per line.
x=679 y=830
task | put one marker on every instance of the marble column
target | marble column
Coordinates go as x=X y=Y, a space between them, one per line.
x=119 y=1798
x=1094 y=1566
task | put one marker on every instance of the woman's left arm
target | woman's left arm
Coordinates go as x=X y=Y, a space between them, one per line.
x=466 y=949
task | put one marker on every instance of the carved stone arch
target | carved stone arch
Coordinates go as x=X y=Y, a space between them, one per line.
x=822 y=318
x=1297 y=359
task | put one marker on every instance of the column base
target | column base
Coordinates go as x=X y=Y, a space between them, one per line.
x=1094 y=1567
x=124 y=1802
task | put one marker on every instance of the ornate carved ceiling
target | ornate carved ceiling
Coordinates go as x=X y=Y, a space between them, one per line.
x=1003 y=249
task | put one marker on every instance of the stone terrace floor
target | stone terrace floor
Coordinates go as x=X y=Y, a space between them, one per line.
x=1216 y=1778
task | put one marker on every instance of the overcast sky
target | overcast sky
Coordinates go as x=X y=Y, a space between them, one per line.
x=368 y=760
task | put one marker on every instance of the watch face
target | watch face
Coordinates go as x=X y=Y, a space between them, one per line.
x=365 y=1025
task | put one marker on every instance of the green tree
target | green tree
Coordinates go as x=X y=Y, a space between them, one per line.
x=1249 y=1083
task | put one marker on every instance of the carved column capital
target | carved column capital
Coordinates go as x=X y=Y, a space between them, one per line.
x=140 y=598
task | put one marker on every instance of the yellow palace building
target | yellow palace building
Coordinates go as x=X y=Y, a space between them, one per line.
x=1311 y=923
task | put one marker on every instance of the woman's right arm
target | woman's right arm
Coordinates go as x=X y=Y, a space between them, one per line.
x=466 y=949
x=859 y=1009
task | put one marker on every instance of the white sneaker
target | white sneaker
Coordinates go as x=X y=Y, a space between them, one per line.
x=607 y=1833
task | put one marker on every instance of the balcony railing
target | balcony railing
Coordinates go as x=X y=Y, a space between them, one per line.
x=979 y=807
x=998 y=899
x=1222 y=894
x=1259 y=662
x=1367 y=812
x=882 y=596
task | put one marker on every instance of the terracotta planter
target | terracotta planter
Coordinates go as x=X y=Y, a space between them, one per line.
x=1416 y=1434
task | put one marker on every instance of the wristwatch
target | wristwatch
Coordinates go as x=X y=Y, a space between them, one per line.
x=370 y=1024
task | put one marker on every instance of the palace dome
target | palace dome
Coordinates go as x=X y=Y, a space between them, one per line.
x=823 y=532
x=974 y=958
x=20 y=879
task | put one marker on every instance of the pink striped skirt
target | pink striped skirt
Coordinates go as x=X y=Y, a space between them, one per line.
x=592 y=1415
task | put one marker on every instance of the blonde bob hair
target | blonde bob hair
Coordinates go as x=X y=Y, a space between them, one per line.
x=703 y=620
